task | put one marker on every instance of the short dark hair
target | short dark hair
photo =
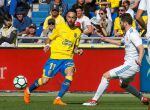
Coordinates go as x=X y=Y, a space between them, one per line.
x=51 y=21
x=79 y=7
x=126 y=17
x=72 y=10
x=127 y=2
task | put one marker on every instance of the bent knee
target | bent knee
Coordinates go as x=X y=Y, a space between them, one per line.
x=69 y=77
x=44 y=80
x=70 y=70
x=123 y=85
x=69 y=73
x=106 y=75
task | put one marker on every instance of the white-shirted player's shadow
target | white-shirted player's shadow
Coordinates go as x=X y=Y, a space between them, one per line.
x=75 y=103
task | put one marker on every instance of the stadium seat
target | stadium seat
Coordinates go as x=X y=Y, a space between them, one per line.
x=70 y=3
x=40 y=14
x=114 y=16
x=38 y=19
x=44 y=7
x=39 y=30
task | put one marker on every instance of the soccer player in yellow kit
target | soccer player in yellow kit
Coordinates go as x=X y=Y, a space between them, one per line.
x=64 y=42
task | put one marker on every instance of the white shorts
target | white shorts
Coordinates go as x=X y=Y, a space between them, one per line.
x=124 y=72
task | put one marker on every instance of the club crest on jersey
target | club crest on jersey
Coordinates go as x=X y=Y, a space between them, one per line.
x=75 y=35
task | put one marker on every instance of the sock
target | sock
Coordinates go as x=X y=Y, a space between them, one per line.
x=35 y=85
x=65 y=86
x=134 y=91
x=101 y=88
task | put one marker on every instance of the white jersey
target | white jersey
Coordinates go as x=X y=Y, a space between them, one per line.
x=145 y=5
x=131 y=41
x=84 y=21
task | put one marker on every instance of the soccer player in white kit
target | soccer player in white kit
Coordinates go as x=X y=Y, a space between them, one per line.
x=133 y=56
x=145 y=6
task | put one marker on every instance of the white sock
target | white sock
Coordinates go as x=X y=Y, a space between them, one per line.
x=101 y=88
x=57 y=97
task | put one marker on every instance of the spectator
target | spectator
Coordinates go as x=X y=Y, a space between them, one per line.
x=141 y=30
x=90 y=8
x=21 y=22
x=1 y=12
x=114 y=5
x=62 y=4
x=30 y=32
x=105 y=5
x=85 y=22
x=117 y=28
x=118 y=32
x=133 y=4
x=55 y=15
x=15 y=5
x=79 y=3
x=105 y=24
x=47 y=32
x=8 y=33
x=126 y=4
x=1 y=7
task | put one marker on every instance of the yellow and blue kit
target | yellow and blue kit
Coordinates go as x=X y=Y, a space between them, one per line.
x=63 y=41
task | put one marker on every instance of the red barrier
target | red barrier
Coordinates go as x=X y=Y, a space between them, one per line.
x=90 y=67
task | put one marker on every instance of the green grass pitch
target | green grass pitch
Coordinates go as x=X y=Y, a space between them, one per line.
x=14 y=101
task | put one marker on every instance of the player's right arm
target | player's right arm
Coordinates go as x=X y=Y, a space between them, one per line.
x=115 y=42
x=47 y=45
x=53 y=36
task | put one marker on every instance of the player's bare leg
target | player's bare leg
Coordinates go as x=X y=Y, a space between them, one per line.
x=36 y=84
x=101 y=89
x=65 y=86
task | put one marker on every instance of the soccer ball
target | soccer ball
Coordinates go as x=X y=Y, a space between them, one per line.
x=20 y=82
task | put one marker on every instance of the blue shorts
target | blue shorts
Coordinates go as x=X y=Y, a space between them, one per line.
x=53 y=66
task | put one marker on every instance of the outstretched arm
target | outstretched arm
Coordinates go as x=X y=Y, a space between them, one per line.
x=111 y=41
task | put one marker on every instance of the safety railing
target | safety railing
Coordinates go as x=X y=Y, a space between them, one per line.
x=83 y=44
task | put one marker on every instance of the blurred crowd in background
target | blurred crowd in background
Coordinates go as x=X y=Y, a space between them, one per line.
x=95 y=18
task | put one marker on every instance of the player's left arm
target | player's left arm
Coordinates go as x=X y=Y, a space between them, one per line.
x=76 y=49
x=141 y=53
x=47 y=45
x=137 y=41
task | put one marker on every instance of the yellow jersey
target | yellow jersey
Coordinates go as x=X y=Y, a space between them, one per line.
x=58 y=20
x=114 y=3
x=63 y=42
